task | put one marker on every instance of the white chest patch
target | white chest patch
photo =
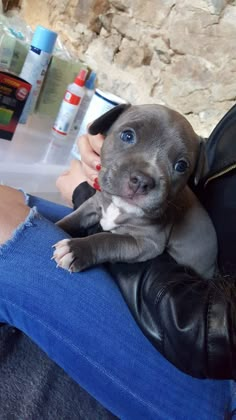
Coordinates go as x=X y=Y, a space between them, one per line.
x=109 y=216
x=128 y=208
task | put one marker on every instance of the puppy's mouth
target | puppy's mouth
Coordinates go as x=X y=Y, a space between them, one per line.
x=149 y=205
x=134 y=194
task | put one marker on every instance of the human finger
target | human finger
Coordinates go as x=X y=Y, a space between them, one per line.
x=90 y=148
x=91 y=175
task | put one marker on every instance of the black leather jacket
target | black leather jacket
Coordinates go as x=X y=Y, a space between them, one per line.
x=191 y=321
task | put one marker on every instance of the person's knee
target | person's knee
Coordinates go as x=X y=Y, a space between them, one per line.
x=13 y=211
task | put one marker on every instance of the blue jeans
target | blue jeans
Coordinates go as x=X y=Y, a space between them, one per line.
x=82 y=322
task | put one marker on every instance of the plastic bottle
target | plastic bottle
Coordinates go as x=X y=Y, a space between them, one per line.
x=70 y=105
x=58 y=151
x=89 y=91
x=36 y=64
x=100 y=103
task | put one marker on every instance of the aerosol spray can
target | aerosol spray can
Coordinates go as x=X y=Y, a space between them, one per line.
x=35 y=66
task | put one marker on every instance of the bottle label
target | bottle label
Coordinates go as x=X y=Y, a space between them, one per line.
x=35 y=50
x=98 y=106
x=33 y=71
x=65 y=118
x=71 y=98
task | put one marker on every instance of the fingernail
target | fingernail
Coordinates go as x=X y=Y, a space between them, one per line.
x=98 y=167
x=96 y=185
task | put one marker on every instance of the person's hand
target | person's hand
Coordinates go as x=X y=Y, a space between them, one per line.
x=84 y=170
x=90 y=149
x=70 y=179
x=13 y=211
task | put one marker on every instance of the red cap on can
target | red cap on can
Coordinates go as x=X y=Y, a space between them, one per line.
x=80 y=79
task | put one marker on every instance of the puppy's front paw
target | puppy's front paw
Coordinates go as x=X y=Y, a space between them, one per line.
x=73 y=254
x=63 y=255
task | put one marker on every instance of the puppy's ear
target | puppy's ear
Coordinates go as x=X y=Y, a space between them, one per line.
x=201 y=167
x=102 y=124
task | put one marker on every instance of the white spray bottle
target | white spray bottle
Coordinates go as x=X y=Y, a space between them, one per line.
x=70 y=105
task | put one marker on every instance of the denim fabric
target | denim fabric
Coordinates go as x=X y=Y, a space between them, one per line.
x=233 y=400
x=82 y=322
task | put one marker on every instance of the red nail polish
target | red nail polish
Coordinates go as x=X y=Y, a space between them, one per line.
x=98 y=167
x=96 y=186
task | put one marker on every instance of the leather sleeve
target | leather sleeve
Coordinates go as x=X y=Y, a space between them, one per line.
x=82 y=193
x=190 y=321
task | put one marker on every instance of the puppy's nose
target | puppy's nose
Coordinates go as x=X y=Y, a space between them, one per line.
x=141 y=183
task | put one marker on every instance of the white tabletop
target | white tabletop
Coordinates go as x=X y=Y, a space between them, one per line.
x=33 y=159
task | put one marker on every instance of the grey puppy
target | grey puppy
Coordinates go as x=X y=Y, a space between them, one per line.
x=145 y=205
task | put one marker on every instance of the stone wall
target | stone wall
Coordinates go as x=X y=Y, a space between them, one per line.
x=179 y=53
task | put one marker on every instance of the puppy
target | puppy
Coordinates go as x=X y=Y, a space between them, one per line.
x=144 y=206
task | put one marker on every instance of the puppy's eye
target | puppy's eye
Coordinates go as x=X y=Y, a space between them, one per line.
x=128 y=136
x=181 y=166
